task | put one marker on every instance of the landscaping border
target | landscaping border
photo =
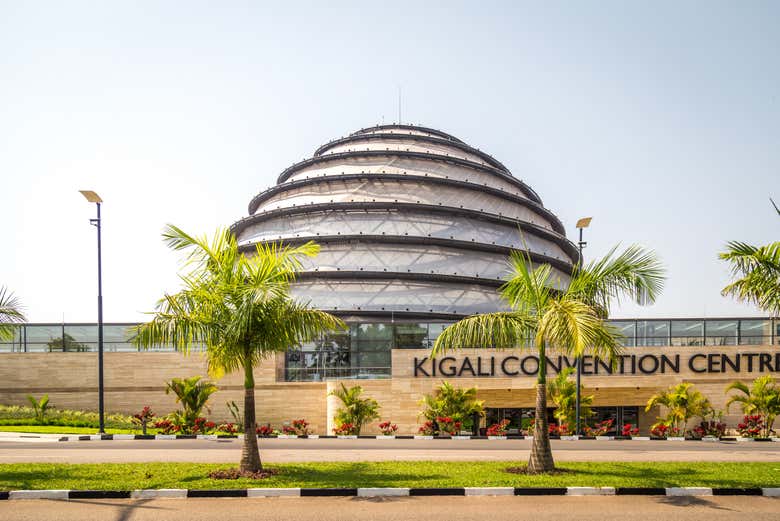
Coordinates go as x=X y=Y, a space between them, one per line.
x=383 y=492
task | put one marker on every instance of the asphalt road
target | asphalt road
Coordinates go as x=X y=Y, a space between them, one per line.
x=541 y=508
x=290 y=450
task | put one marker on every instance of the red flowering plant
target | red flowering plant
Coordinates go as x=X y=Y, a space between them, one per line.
x=166 y=426
x=600 y=429
x=142 y=418
x=498 y=429
x=752 y=426
x=345 y=429
x=229 y=428
x=659 y=430
x=264 y=430
x=203 y=426
x=558 y=430
x=629 y=430
x=427 y=429
x=709 y=428
x=298 y=428
x=448 y=426
x=387 y=428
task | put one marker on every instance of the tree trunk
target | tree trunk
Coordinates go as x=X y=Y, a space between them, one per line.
x=250 y=454
x=541 y=459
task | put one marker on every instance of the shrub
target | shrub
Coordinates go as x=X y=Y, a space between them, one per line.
x=662 y=430
x=40 y=407
x=193 y=394
x=452 y=402
x=752 y=426
x=355 y=410
x=387 y=428
x=629 y=430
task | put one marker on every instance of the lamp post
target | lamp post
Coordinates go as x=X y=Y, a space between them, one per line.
x=581 y=225
x=92 y=197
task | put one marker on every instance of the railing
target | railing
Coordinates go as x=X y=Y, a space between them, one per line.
x=36 y=338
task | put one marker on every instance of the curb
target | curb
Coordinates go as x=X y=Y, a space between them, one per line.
x=384 y=492
x=125 y=437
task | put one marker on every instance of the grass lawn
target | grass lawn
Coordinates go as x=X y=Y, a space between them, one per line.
x=57 y=429
x=130 y=476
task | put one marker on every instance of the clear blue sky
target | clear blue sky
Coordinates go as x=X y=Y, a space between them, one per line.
x=662 y=120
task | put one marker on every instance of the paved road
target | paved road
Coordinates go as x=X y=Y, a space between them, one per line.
x=278 y=451
x=616 y=508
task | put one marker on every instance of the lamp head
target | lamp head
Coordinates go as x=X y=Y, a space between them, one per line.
x=91 y=196
x=584 y=222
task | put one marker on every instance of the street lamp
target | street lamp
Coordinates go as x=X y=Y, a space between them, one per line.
x=581 y=225
x=92 y=197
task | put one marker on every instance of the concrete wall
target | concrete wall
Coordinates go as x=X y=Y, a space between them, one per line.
x=134 y=380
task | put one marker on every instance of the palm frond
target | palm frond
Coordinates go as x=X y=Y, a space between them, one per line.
x=576 y=328
x=502 y=330
x=10 y=313
x=634 y=273
x=757 y=270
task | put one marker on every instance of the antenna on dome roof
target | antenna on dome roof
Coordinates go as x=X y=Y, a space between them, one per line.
x=399 y=104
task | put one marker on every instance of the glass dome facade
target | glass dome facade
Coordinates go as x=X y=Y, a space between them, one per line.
x=412 y=222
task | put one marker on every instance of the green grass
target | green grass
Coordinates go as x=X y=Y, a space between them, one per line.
x=130 y=476
x=56 y=429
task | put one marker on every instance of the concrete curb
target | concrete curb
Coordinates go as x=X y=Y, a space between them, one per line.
x=384 y=492
x=125 y=437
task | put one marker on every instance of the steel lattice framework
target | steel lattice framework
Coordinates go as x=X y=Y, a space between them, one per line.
x=412 y=222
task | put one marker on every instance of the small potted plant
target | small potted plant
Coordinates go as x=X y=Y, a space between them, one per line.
x=628 y=431
x=264 y=431
x=345 y=430
x=427 y=430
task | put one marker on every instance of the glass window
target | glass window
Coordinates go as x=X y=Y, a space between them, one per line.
x=626 y=329
x=652 y=333
x=411 y=336
x=435 y=329
x=687 y=332
x=721 y=332
x=754 y=332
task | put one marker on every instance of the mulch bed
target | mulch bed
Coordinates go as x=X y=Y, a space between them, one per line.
x=524 y=470
x=236 y=473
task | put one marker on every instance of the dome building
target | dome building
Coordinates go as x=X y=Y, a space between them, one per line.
x=413 y=224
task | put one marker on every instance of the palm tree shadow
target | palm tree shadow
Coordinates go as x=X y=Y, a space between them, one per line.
x=691 y=501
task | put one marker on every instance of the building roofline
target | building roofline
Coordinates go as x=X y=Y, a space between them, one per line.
x=414 y=137
x=428 y=130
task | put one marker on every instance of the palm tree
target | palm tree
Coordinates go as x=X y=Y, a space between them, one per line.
x=238 y=308
x=757 y=273
x=762 y=398
x=571 y=320
x=683 y=402
x=452 y=402
x=193 y=394
x=356 y=410
x=10 y=313
x=563 y=393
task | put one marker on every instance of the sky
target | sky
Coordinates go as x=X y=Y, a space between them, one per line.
x=661 y=120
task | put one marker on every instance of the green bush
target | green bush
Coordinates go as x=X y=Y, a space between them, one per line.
x=19 y=415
